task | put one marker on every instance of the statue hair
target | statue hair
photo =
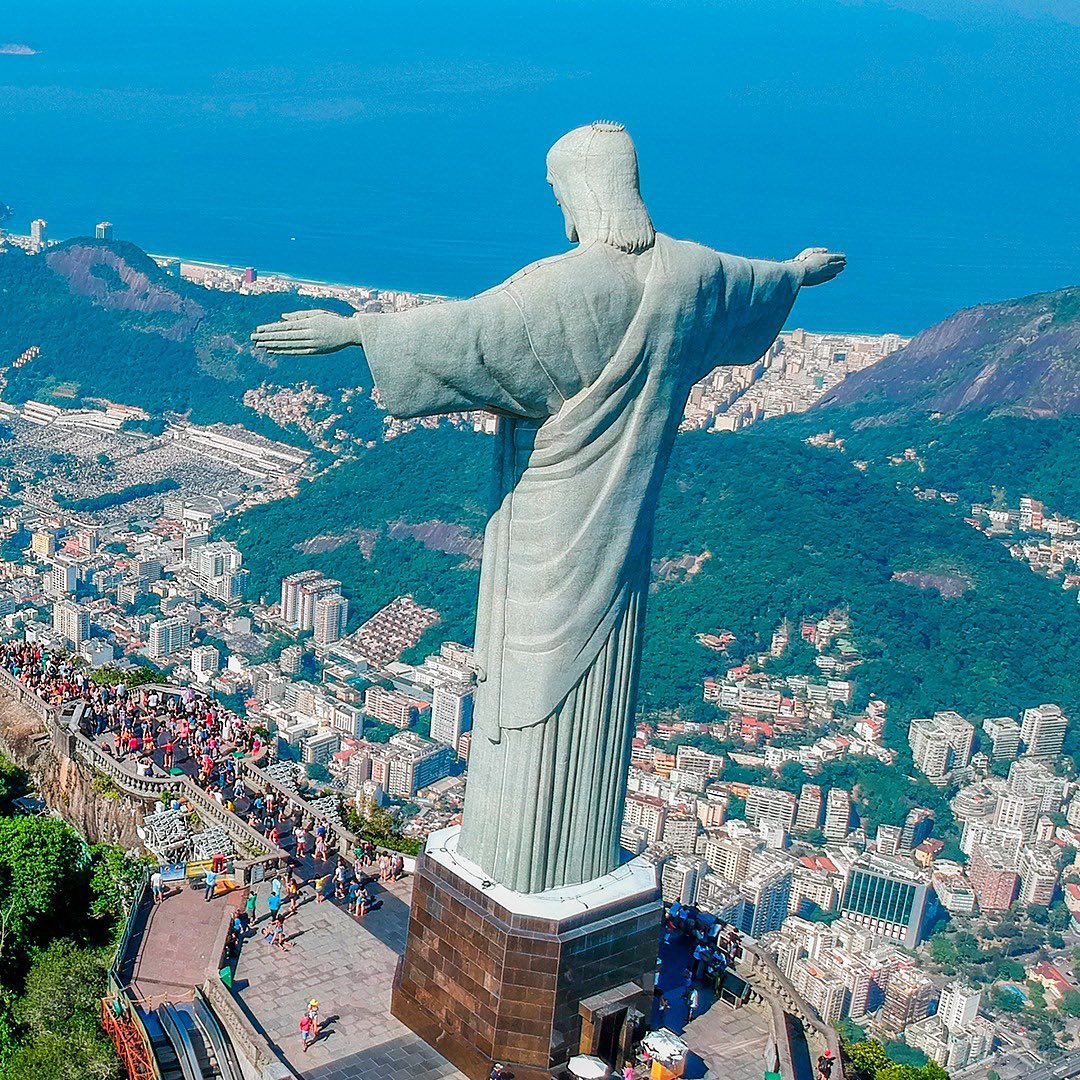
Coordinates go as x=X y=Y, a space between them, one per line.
x=595 y=171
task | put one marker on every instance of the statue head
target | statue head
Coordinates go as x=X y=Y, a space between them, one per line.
x=594 y=173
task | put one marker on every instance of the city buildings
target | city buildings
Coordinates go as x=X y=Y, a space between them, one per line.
x=956 y=1037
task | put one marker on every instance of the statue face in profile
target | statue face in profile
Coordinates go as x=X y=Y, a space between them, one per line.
x=568 y=220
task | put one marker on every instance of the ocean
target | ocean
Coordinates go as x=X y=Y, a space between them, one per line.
x=403 y=145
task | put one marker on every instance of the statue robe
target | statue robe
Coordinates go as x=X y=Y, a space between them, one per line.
x=589 y=358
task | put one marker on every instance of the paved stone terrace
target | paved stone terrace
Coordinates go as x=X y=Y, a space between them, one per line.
x=725 y=1043
x=348 y=965
x=175 y=945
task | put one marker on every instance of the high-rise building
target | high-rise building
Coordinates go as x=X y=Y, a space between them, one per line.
x=1038 y=877
x=71 y=621
x=451 y=712
x=308 y=595
x=837 y=814
x=167 y=637
x=1004 y=734
x=38 y=237
x=1042 y=731
x=389 y=707
x=729 y=857
x=889 y=897
x=888 y=839
x=1035 y=776
x=1018 y=812
x=414 y=763
x=918 y=825
x=681 y=832
x=331 y=618
x=941 y=743
x=647 y=812
x=992 y=873
x=250 y=275
x=213 y=560
x=103 y=230
x=959 y=1005
x=290 y=593
x=768 y=896
x=907 y=1000
x=205 y=662
x=63 y=578
x=771 y=805
x=810 y=804
x=680 y=878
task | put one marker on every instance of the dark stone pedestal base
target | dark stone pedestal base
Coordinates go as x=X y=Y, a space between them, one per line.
x=489 y=975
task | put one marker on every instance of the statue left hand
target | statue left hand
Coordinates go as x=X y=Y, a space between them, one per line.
x=305 y=333
x=819 y=265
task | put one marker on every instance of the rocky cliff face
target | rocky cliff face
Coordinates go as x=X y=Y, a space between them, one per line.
x=66 y=785
x=120 y=277
x=1020 y=357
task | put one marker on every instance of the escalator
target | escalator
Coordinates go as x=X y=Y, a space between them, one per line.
x=193 y=1045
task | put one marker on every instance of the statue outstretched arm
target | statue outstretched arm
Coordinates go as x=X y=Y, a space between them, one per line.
x=439 y=358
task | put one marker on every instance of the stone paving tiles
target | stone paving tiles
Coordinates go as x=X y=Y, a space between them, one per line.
x=348 y=965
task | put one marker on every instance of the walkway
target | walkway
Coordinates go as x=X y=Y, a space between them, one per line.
x=175 y=945
x=348 y=965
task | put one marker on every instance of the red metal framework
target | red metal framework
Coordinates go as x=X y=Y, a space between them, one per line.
x=129 y=1040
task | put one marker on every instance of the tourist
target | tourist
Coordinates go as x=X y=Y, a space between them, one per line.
x=397 y=868
x=274 y=902
x=692 y=1001
x=157 y=886
x=306 y=1036
x=250 y=906
x=278 y=939
x=292 y=894
x=498 y=1072
x=320 y=888
x=211 y=885
x=825 y=1065
x=313 y=1012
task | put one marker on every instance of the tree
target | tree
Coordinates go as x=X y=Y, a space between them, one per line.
x=1070 y=1003
x=43 y=885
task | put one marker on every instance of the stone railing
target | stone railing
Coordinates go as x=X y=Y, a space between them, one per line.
x=338 y=837
x=769 y=982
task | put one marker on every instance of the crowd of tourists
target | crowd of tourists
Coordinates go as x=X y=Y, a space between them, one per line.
x=156 y=732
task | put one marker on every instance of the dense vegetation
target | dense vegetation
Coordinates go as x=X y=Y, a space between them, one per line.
x=61 y=906
x=93 y=503
x=792 y=531
x=172 y=347
x=971 y=453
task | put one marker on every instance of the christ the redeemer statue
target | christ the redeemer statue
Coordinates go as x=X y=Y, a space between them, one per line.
x=588 y=358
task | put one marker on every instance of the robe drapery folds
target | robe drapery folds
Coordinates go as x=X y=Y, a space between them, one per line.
x=589 y=357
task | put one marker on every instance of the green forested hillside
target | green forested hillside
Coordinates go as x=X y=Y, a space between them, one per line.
x=792 y=530
x=110 y=323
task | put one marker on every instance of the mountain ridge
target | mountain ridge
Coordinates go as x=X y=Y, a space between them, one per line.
x=1017 y=356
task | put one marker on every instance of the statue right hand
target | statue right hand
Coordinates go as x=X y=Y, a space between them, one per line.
x=305 y=333
x=819 y=265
